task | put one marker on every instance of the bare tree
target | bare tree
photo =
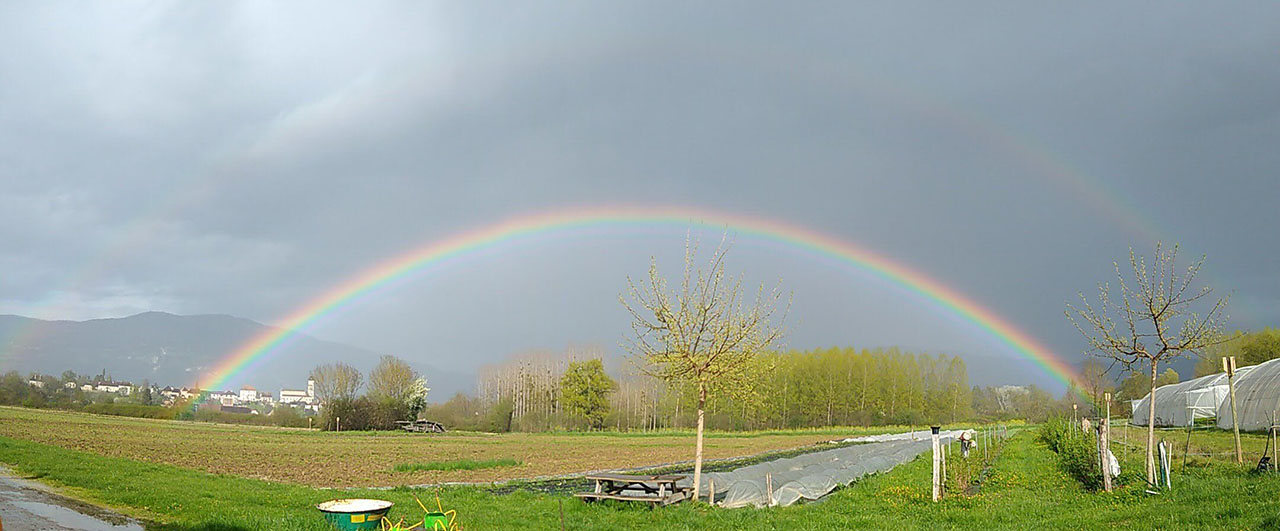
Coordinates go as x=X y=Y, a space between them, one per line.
x=1152 y=322
x=706 y=335
x=1095 y=382
x=337 y=381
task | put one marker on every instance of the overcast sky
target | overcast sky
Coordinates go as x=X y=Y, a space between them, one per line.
x=242 y=158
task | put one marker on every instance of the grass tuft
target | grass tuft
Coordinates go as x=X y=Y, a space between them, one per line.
x=457 y=464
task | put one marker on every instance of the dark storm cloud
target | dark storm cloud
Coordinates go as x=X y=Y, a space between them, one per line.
x=241 y=158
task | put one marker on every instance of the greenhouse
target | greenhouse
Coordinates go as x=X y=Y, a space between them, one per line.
x=1257 y=397
x=1177 y=404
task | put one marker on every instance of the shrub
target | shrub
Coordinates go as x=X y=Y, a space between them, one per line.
x=1077 y=451
x=131 y=410
x=499 y=418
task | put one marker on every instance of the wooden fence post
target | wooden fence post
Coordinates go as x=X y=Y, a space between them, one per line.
x=937 y=464
x=1104 y=442
x=1229 y=367
x=1126 y=440
x=1275 y=465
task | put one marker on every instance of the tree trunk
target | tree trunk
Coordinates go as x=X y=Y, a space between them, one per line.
x=1151 y=427
x=697 y=456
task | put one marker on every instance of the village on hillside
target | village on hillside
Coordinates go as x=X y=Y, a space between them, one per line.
x=102 y=388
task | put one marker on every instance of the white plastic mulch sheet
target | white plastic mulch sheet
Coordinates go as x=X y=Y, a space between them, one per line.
x=810 y=476
x=905 y=436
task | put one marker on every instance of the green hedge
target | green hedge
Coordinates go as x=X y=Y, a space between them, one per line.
x=132 y=410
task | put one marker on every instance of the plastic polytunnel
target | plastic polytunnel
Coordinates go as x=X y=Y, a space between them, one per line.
x=1257 y=397
x=810 y=476
x=1177 y=404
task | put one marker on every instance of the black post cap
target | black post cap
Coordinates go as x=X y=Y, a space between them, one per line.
x=935 y=429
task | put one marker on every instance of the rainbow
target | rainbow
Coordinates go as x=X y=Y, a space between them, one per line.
x=525 y=227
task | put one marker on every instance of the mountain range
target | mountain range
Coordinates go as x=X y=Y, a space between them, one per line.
x=181 y=350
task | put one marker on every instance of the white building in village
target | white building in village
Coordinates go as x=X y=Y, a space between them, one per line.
x=248 y=394
x=123 y=388
x=226 y=398
x=299 y=397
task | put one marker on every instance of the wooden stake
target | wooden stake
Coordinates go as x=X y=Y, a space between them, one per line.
x=1229 y=366
x=1272 y=432
x=937 y=464
x=945 y=453
x=768 y=481
x=1105 y=442
x=711 y=493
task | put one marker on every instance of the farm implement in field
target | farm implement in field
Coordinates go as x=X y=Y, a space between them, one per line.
x=421 y=426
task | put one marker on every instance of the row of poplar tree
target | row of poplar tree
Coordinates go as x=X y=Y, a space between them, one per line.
x=824 y=387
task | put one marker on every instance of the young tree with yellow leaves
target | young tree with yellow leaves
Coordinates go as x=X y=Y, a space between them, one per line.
x=706 y=334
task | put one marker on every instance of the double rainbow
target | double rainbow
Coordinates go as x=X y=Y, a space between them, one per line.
x=527 y=227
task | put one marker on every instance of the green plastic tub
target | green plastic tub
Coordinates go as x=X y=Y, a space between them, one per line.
x=355 y=514
x=433 y=521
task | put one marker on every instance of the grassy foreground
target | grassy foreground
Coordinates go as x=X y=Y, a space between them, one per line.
x=1024 y=489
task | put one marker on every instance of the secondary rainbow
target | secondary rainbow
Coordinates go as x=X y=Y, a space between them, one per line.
x=526 y=227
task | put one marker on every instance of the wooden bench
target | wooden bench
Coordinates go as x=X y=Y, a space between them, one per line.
x=657 y=490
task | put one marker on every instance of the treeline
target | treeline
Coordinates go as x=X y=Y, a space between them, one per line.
x=395 y=393
x=16 y=391
x=1249 y=348
x=824 y=387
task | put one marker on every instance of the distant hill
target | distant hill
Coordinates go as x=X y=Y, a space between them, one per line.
x=178 y=350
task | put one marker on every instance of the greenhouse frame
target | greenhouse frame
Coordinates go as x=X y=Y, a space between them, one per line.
x=1257 y=397
x=1178 y=404
x=1257 y=400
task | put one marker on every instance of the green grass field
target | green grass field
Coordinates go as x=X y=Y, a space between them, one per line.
x=1024 y=488
x=457 y=464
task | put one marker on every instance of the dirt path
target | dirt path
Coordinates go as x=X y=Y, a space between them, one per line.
x=27 y=506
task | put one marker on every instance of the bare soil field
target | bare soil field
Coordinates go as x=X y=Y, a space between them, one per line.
x=362 y=459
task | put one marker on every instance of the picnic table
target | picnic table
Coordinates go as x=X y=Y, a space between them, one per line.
x=658 y=490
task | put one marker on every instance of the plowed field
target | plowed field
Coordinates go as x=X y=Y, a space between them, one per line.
x=350 y=459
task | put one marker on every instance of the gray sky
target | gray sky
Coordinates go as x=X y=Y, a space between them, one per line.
x=243 y=158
